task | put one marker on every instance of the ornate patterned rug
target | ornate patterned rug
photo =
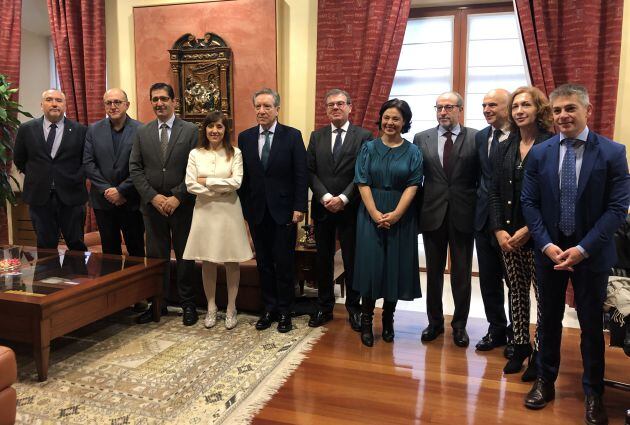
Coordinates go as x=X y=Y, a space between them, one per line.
x=114 y=372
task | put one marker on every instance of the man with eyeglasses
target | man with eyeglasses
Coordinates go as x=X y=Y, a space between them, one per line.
x=331 y=156
x=113 y=197
x=274 y=199
x=451 y=170
x=157 y=166
x=49 y=152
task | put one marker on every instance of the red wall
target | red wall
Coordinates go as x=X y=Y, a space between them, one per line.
x=247 y=26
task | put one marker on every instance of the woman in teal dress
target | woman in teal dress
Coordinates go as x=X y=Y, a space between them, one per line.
x=388 y=172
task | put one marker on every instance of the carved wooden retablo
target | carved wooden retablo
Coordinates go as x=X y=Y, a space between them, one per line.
x=203 y=67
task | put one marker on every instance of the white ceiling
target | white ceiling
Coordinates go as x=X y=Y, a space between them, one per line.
x=35 y=17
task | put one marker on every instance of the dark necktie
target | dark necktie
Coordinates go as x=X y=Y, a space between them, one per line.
x=50 y=140
x=494 y=144
x=264 y=155
x=448 y=147
x=337 y=146
x=164 y=140
x=568 y=189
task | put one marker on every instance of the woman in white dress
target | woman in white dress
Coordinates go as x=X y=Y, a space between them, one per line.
x=217 y=233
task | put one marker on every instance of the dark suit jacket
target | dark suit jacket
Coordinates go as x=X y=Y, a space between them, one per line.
x=456 y=194
x=283 y=186
x=326 y=177
x=485 y=178
x=149 y=174
x=40 y=169
x=602 y=199
x=106 y=168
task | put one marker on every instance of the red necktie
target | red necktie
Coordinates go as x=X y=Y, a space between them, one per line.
x=448 y=147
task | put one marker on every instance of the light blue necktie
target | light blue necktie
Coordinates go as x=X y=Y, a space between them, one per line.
x=568 y=189
x=264 y=155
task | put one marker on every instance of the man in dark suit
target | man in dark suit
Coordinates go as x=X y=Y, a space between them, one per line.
x=331 y=156
x=488 y=253
x=274 y=199
x=49 y=151
x=451 y=170
x=157 y=166
x=113 y=196
x=575 y=196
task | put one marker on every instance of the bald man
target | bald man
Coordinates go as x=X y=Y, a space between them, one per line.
x=49 y=151
x=113 y=196
x=488 y=253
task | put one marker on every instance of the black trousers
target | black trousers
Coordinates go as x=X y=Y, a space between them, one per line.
x=275 y=253
x=112 y=222
x=55 y=217
x=461 y=247
x=590 y=292
x=344 y=224
x=164 y=232
x=491 y=275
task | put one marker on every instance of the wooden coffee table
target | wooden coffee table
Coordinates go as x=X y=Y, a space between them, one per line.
x=50 y=293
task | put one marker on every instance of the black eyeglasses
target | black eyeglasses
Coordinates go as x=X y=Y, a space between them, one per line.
x=447 y=108
x=114 y=102
x=157 y=99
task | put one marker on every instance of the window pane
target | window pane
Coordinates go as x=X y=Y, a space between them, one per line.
x=429 y=81
x=493 y=26
x=494 y=60
x=423 y=56
x=429 y=30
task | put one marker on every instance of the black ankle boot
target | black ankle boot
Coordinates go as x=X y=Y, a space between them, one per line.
x=531 y=372
x=367 y=337
x=388 y=326
x=521 y=352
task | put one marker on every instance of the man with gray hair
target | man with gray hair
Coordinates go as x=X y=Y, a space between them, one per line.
x=331 y=156
x=49 y=151
x=451 y=174
x=113 y=196
x=274 y=199
x=575 y=196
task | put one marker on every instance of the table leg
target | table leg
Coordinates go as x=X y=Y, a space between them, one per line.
x=41 y=348
x=156 y=307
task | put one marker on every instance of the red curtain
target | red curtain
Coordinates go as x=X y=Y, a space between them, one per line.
x=358 y=45
x=78 y=33
x=576 y=41
x=10 y=39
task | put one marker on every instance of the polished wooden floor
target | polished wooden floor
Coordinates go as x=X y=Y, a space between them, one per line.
x=409 y=382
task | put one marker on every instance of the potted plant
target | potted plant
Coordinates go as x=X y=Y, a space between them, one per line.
x=8 y=127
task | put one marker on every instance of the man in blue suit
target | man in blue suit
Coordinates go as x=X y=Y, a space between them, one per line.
x=113 y=197
x=495 y=112
x=575 y=196
x=274 y=199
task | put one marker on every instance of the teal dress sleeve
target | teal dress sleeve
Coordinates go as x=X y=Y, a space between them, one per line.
x=415 y=167
x=362 y=166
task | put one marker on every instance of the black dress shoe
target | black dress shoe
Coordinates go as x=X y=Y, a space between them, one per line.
x=284 y=323
x=431 y=332
x=319 y=318
x=595 y=411
x=540 y=394
x=147 y=316
x=190 y=316
x=265 y=321
x=355 y=320
x=460 y=337
x=490 y=341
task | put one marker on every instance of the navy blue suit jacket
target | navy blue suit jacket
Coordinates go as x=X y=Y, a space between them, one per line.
x=106 y=168
x=602 y=199
x=282 y=187
x=485 y=180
